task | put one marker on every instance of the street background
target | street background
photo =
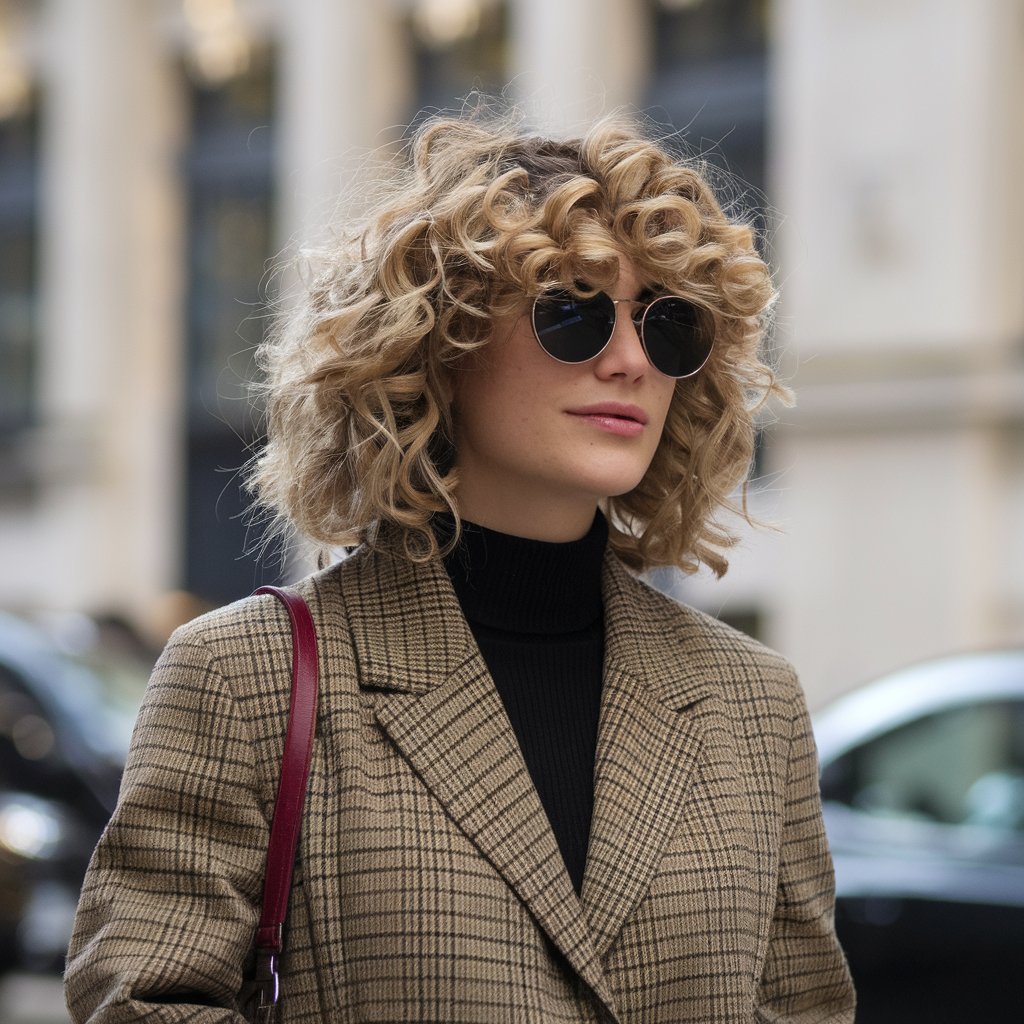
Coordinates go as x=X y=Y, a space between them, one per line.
x=159 y=157
x=32 y=999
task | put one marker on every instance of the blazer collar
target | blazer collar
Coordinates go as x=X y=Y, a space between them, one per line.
x=661 y=644
x=407 y=628
x=409 y=632
x=437 y=703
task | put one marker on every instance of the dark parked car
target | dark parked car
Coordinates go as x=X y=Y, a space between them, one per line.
x=923 y=789
x=64 y=731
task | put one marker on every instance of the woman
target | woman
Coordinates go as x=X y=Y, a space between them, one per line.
x=540 y=791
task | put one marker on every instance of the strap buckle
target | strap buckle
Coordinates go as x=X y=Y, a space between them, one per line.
x=267 y=988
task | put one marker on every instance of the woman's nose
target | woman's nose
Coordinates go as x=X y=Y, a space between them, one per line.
x=624 y=355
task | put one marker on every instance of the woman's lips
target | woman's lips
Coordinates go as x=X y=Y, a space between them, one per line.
x=624 y=420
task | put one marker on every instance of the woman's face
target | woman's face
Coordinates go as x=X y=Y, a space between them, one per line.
x=539 y=442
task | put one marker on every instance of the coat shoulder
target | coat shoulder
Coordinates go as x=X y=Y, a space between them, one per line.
x=743 y=668
x=244 y=649
x=237 y=624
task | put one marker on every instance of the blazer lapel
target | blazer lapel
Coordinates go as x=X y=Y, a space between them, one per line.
x=650 y=738
x=438 y=704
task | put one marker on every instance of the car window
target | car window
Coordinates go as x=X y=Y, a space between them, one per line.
x=962 y=765
x=27 y=741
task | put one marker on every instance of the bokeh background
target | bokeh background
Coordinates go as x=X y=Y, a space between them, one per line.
x=159 y=157
x=156 y=156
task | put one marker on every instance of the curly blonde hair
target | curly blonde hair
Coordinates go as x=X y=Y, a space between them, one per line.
x=359 y=375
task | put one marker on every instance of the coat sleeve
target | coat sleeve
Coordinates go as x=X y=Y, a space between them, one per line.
x=168 y=908
x=805 y=978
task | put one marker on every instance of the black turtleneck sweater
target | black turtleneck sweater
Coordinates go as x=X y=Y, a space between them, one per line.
x=535 y=611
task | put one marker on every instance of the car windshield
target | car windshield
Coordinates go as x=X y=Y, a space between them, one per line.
x=84 y=683
x=115 y=686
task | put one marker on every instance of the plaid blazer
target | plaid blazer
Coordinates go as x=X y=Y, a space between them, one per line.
x=429 y=884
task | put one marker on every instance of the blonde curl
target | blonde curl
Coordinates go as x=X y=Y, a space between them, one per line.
x=359 y=376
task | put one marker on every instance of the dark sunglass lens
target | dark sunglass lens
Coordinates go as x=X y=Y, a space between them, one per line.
x=571 y=329
x=677 y=336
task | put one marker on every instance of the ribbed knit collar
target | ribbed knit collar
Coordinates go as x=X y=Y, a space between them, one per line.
x=527 y=586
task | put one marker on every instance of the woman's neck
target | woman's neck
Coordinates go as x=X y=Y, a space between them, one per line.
x=548 y=520
x=518 y=584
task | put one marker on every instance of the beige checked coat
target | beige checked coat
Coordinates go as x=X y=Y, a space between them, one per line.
x=429 y=885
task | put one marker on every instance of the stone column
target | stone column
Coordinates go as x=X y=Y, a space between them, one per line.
x=577 y=58
x=897 y=162
x=111 y=244
x=345 y=85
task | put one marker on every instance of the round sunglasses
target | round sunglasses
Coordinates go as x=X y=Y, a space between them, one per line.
x=676 y=335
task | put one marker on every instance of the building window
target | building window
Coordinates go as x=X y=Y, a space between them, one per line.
x=457 y=46
x=710 y=80
x=229 y=171
x=19 y=208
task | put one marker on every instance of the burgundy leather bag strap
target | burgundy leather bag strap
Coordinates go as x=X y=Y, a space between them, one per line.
x=291 y=795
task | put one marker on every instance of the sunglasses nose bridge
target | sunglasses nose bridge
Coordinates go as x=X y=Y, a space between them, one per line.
x=624 y=352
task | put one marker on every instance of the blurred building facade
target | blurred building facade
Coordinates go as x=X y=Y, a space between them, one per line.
x=156 y=154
